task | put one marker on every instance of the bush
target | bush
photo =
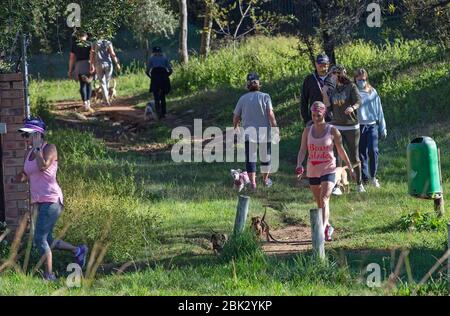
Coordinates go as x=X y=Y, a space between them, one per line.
x=42 y=108
x=422 y=221
x=244 y=245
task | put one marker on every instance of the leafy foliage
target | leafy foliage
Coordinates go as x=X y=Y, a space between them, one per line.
x=422 y=221
x=151 y=17
x=42 y=108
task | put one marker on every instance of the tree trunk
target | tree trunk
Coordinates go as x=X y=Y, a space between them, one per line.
x=183 y=51
x=207 y=27
x=328 y=46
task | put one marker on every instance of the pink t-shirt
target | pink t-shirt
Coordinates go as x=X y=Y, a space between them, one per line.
x=44 y=187
x=321 y=160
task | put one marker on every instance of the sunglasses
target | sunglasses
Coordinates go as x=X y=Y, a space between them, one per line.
x=26 y=135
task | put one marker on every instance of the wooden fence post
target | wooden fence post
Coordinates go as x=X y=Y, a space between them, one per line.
x=241 y=213
x=317 y=232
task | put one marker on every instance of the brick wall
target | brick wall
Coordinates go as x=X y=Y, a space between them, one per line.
x=12 y=112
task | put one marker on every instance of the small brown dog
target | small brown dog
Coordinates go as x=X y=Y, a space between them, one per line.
x=218 y=241
x=97 y=93
x=261 y=228
x=342 y=179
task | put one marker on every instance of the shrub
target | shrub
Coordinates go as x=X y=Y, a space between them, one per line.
x=42 y=108
x=244 y=245
x=422 y=221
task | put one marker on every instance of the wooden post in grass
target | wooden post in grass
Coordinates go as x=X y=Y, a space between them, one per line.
x=317 y=232
x=241 y=213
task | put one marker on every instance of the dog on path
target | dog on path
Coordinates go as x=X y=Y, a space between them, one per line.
x=261 y=228
x=240 y=179
x=218 y=241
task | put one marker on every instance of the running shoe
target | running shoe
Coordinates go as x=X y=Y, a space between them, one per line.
x=375 y=183
x=329 y=230
x=50 y=277
x=81 y=255
x=360 y=188
x=336 y=191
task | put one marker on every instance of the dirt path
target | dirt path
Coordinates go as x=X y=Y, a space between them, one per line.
x=293 y=239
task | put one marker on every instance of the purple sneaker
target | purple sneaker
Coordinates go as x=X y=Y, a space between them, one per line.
x=81 y=255
x=49 y=277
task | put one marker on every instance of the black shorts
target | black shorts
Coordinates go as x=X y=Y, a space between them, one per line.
x=331 y=177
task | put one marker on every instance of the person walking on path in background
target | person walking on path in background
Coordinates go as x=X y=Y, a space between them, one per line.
x=312 y=88
x=255 y=111
x=158 y=70
x=102 y=55
x=318 y=140
x=40 y=168
x=80 y=68
x=344 y=101
x=372 y=124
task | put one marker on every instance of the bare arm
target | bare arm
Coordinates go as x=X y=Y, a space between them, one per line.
x=236 y=121
x=303 y=147
x=272 y=120
x=21 y=177
x=113 y=55
x=46 y=158
x=72 y=59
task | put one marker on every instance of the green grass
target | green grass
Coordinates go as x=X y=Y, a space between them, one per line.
x=162 y=213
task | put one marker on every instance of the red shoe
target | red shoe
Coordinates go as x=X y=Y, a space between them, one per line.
x=329 y=230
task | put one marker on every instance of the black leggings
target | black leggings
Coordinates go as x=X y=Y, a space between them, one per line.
x=85 y=90
x=160 y=102
x=350 y=141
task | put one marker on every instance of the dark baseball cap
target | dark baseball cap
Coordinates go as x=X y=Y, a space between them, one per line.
x=156 y=49
x=322 y=59
x=252 y=76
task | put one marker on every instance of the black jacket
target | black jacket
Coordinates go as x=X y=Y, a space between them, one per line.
x=311 y=93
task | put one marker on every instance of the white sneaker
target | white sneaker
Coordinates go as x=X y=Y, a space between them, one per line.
x=375 y=183
x=336 y=191
x=360 y=188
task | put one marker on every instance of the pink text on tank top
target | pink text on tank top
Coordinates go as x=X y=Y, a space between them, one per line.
x=321 y=160
x=44 y=187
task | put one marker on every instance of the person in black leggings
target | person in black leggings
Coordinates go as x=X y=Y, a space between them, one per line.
x=79 y=57
x=159 y=69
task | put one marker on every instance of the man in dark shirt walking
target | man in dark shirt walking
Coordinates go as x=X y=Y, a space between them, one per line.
x=312 y=87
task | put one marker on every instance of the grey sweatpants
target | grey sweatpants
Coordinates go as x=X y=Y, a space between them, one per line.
x=350 y=141
x=104 y=74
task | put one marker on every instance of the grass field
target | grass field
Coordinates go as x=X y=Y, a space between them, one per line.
x=161 y=213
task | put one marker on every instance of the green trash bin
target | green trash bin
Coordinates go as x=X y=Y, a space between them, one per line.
x=424 y=171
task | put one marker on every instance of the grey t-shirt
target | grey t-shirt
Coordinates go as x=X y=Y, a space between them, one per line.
x=253 y=108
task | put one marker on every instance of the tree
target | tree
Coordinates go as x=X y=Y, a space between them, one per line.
x=338 y=20
x=207 y=28
x=428 y=18
x=183 y=50
x=151 y=17
x=242 y=17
